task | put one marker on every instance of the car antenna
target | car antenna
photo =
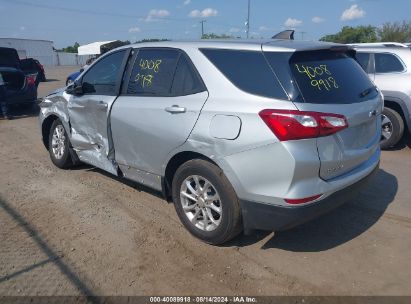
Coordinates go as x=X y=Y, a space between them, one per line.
x=286 y=35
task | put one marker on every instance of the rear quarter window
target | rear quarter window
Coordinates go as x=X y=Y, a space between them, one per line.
x=248 y=71
x=186 y=80
x=387 y=63
x=330 y=77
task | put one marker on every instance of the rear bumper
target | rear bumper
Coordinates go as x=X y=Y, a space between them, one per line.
x=28 y=94
x=275 y=218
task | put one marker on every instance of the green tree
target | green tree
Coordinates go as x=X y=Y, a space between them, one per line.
x=348 y=34
x=395 y=32
x=151 y=40
x=216 y=36
x=72 y=49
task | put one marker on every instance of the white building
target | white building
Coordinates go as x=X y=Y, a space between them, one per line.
x=42 y=50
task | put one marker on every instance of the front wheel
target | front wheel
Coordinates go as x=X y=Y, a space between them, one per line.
x=206 y=202
x=392 y=128
x=59 y=145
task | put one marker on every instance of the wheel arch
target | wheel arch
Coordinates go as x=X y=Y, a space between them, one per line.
x=45 y=128
x=46 y=123
x=174 y=163
x=400 y=107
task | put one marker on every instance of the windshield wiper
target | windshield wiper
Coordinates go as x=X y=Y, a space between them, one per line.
x=367 y=91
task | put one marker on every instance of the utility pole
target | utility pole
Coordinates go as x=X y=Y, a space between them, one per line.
x=247 y=23
x=202 y=28
x=302 y=35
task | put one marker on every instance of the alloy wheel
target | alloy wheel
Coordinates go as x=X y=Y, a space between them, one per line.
x=58 y=142
x=201 y=203
x=387 y=127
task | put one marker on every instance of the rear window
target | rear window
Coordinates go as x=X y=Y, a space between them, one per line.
x=247 y=70
x=9 y=58
x=330 y=77
x=27 y=64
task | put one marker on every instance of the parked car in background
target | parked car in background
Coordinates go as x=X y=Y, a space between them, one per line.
x=389 y=66
x=73 y=76
x=32 y=66
x=18 y=88
x=239 y=135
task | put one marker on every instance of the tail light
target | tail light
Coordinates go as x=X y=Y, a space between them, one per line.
x=31 y=79
x=293 y=124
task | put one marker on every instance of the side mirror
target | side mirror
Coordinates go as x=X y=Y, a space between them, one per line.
x=78 y=89
x=81 y=70
x=75 y=89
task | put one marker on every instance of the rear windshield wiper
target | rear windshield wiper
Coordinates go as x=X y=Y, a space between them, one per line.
x=367 y=91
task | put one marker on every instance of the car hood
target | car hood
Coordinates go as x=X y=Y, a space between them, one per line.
x=74 y=75
x=59 y=91
x=58 y=100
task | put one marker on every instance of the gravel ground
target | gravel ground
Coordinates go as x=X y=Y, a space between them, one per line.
x=83 y=231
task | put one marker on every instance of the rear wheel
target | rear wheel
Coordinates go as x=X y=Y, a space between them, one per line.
x=59 y=146
x=392 y=126
x=206 y=202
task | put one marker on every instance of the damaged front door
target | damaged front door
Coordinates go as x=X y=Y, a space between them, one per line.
x=89 y=109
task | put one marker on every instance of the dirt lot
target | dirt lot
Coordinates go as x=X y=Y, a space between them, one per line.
x=85 y=232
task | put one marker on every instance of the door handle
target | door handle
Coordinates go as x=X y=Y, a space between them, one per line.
x=175 y=109
x=102 y=104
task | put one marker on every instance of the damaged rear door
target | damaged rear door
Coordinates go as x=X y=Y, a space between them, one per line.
x=89 y=109
x=156 y=111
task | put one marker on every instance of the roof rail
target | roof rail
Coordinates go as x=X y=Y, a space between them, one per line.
x=378 y=44
x=286 y=35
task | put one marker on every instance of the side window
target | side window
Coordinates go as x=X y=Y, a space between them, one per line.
x=387 y=63
x=101 y=78
x=153 y=72
x=186 y=81
x=247 y=70
x=363 y=59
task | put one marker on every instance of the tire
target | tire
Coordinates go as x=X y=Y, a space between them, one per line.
x=68 y=82
x=392 y=128
x=61 y=158
x=225 y=225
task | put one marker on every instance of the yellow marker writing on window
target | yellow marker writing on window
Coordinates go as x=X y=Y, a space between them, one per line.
x=144 y=80
x=153 y=65
x=320 y=76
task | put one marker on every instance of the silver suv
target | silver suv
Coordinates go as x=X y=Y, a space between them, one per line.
x=388 y=65
x=239 y=135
